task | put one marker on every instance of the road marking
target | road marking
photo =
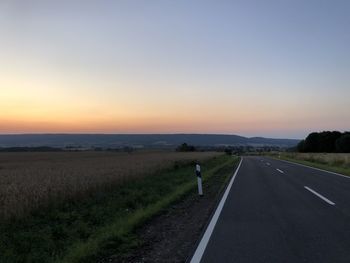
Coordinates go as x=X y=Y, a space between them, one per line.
x=280 y=171
x=319 y=195
x=267 y=163
x=205 y=239
x=318 y=169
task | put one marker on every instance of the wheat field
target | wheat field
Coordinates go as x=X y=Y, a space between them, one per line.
x=29 y=181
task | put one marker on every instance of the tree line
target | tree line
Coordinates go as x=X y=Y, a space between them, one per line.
x=326 y=141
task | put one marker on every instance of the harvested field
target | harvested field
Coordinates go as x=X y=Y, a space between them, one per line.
x=335 y=162
x=29 y=181
x=333 y=159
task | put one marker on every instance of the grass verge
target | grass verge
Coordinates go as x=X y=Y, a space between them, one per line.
x=327 y=167
x=105 y=223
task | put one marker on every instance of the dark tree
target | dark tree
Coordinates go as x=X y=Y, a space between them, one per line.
x=343 y=143
x=185 y=148
x=228 y=151
x=301 y=146
x=326 y=141
x=311 y=142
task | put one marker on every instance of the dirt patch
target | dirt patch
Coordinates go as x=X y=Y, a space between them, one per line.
x=173 y=236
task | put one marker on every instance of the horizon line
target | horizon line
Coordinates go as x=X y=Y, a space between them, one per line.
x=181 y=133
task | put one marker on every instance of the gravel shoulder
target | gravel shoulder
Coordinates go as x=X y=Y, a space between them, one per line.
x=173 y=235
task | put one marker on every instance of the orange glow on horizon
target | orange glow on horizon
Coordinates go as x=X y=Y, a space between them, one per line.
x=134 y=124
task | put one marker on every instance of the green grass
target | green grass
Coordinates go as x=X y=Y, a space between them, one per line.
x=83 y=231
x=327 y=167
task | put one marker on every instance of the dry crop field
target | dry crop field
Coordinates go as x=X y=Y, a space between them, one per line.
x=333 y=159
x=32 y=180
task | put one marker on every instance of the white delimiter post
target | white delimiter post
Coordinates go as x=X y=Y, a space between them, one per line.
x=199 y=179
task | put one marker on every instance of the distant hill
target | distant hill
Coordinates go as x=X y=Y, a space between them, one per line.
x=137 y=140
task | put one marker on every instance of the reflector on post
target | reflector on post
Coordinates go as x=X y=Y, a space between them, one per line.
x=199 y=179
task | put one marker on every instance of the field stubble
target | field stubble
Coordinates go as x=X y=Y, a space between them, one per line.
x=334 y=162
x=29 y=181
x=332 y=159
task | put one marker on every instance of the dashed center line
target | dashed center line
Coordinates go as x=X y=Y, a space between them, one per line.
x=319 y=195
x=280 y=171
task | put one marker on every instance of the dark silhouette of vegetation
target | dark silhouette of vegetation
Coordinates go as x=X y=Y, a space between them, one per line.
x=343 y=143
x=326 y=141
x=228 y=151
x=301 y=146
x=31 y=149
x=185 y=148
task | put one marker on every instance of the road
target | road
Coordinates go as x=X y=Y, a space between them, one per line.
x=277 y=211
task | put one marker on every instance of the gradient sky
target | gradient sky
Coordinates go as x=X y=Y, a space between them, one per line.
x=266 y=68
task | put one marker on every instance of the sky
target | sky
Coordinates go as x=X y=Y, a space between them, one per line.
x=255 y=68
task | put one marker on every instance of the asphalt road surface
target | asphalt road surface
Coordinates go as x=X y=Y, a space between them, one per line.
x=277 y=211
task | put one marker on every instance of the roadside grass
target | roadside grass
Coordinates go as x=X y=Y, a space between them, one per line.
x=338 y=163
x=103 y=224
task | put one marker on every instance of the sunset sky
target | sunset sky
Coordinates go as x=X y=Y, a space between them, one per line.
x=254 y=68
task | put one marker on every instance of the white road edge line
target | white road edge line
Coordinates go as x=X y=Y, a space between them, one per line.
x=280 y=171
x=205 y=239
x=314 y=168
x=319 y=195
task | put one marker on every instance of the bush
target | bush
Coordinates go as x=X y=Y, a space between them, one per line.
x=185 y=148
x=228 y=151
